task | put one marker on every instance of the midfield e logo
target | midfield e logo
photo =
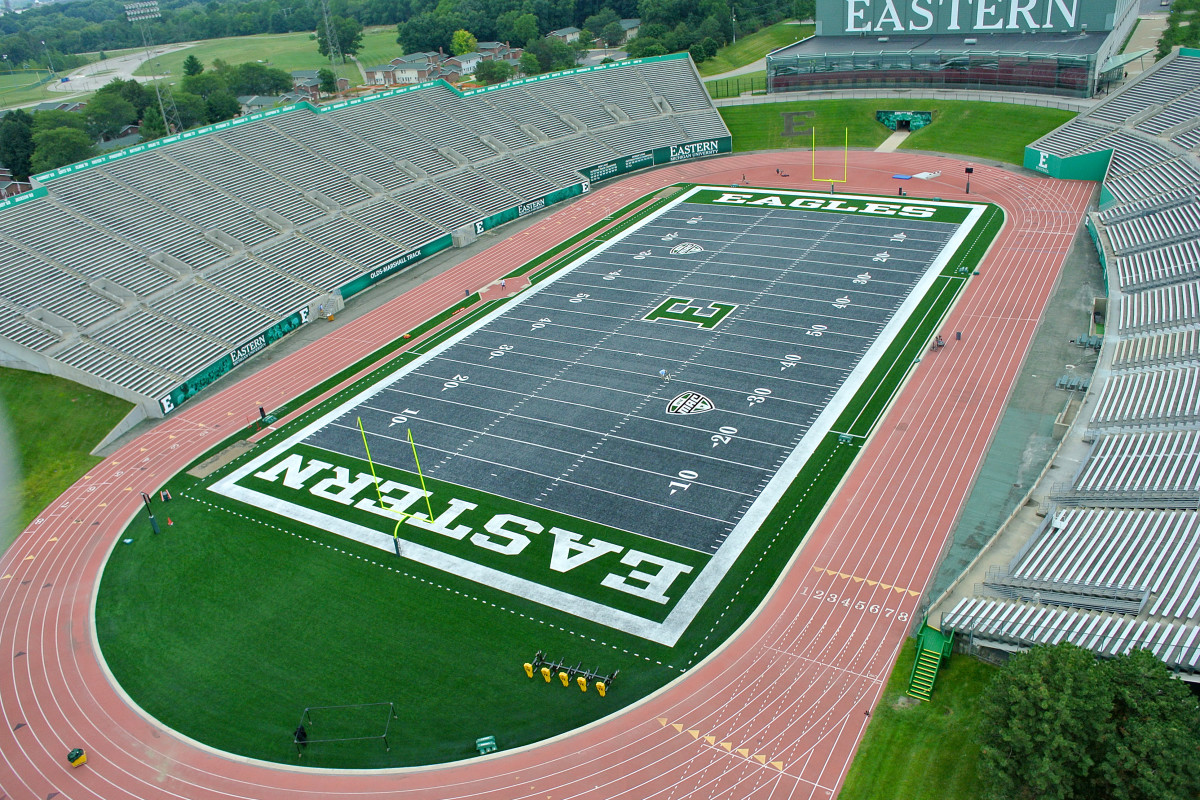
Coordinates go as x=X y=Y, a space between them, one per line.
x=695 y=312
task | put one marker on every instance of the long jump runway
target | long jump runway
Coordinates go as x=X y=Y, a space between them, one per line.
x=777 y=713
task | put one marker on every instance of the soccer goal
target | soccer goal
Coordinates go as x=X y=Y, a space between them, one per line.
x=358 y=722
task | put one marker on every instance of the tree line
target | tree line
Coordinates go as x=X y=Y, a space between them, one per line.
x=58 y=32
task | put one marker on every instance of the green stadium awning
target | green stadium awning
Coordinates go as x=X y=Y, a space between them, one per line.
x=1123 y=59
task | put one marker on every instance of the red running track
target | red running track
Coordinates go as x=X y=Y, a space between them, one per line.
x=777 y=713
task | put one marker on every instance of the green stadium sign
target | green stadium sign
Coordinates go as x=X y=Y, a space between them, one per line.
x=201 y=380
x=858 y=17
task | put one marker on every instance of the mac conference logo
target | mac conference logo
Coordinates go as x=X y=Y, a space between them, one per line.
x=686 y=249
x=690 y=403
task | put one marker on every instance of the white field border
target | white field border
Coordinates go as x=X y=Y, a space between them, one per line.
x=688 y=606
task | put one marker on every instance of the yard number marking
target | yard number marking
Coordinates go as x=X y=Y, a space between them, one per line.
x=402 y=417
x=682 y=486
x=725 y=436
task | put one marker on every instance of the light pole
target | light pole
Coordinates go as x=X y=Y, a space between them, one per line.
x=7 y=64
x=48 y=57
x=969 y=171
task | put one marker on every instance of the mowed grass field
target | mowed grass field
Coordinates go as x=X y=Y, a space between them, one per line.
x=918 y=750
x=751 y=48
x=22 y=87
x=986 y=131
x=286 y=51
x=55 y=424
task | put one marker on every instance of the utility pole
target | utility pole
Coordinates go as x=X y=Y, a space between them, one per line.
x=733 y=20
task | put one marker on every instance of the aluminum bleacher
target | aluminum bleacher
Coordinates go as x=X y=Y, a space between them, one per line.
x=209 y=238
x=1164 y=308
x=1117 y=564
x=1171 y=263
x=1008 y=625
x=1148 y=230
x=1179 y=347
x=1152 y=398
x=1154 y=464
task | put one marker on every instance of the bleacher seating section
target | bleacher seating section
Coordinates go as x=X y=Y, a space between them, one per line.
x=207 y=241
x=1116 y=566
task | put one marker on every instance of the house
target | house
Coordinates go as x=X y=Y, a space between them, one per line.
x=464 y=64
x=568 y=35
x=381 y=74
x=251 y=103
x=630 y=26
x=308 y=82
x=10 y=186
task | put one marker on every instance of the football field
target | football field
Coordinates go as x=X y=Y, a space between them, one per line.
x=609 y=440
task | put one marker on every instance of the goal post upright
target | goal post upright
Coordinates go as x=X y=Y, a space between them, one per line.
x=845 y=160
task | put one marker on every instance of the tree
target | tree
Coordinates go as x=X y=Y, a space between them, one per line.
x=328 y=80
x=220 y=106
x=490 y=72
x=16 y=143
x=349 y=34
x=254 y=78
x=709 y=47
x=205 y=84
x=612 y=34
x=192 y=109
x=1059 y=724
x=645 y=47
x=131 y=90
x=462 y=42
x=697 y=53
x=53 y=118
x=107 y=114
x=192 y=65
x=428 y=31
x=1149 y=746
x=601 y=19
x=152 y=126
x=530 y=64
x=57 y=147
x=517 y=28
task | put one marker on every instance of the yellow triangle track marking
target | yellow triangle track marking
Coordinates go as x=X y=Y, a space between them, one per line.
x=760 y=759
x=710 y=739
x=726 y=745
x=872 y=583
x=695 y=734
x=743 y=752
x=678 y=728
x=899 y=589
x=6 y=577
x=856 y=579
x=662 y=721
x=29 y=558
x=885 y=586
x=53 y=539
x=911 y=593
x=777 y=765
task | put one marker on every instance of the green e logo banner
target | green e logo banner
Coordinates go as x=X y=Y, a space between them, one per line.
x=685 y=309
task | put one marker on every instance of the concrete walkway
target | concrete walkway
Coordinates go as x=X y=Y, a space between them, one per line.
x=892 y=143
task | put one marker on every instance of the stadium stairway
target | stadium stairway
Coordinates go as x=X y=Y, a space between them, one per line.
x=932 y=648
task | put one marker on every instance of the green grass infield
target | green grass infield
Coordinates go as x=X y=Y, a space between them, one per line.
x=232 y=620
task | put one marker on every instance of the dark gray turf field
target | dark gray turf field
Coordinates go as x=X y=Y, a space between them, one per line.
x=558 y=401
